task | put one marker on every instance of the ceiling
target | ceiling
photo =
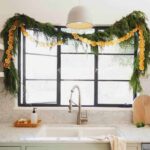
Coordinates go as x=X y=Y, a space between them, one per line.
x=55 y=11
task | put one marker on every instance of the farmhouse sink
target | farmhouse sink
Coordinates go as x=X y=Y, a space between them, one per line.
x=96 y=131
x=76 y=131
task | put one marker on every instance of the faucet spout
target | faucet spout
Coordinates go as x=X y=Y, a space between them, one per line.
x=79 y=118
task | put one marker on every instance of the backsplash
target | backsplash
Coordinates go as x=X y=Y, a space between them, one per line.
x=8 y=113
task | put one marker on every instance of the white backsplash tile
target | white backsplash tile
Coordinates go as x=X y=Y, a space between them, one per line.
x=8 y=113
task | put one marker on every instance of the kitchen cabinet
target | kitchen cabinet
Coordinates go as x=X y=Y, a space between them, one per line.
x=9 y=148
x=134 y=146
x=64 y=146
x=71 y=146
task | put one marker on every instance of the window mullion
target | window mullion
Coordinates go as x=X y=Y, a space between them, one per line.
x=136 y=39
x=58 y=72
x=95 y=80
x=96 y=77
x=24 y=70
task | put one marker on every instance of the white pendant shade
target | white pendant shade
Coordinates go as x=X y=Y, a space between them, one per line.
x=79 y=18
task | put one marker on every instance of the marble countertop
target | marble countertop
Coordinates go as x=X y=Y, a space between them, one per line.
x=133 y=134
x=129 y=133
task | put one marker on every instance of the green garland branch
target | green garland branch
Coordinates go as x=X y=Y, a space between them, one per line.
x=118 y=29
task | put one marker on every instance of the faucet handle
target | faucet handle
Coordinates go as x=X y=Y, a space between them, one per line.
x=84 y=116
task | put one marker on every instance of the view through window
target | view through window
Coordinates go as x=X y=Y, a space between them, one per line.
x=47 y=75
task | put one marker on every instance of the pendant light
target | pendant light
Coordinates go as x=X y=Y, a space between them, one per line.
x=79 y=18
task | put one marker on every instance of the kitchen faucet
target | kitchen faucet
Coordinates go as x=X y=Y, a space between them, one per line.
x=80 y=118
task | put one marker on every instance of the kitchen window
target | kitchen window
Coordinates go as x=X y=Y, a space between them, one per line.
x=47 y=75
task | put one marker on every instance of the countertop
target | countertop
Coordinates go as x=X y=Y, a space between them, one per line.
x=128 y=132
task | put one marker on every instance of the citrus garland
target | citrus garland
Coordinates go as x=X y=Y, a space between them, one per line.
x=121 y=32
x=84 y=40
x=10 y=47
x=119 y=40
x=43 y=44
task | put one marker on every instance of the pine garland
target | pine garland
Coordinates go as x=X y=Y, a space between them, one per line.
x=118 y=29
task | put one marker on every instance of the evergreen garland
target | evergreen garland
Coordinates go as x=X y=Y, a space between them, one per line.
x=118 y=29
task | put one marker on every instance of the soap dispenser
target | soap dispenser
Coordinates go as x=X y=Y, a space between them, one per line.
x=34 y=116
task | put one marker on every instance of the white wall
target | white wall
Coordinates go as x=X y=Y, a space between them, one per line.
x=55 y=11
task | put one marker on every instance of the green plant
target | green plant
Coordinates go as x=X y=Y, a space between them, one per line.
x=140 y=124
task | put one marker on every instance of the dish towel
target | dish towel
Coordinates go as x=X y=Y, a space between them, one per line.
x=117 y=143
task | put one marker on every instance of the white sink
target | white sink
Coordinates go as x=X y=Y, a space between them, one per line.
x=76 y=131
x=58 y=132
x=97 y=131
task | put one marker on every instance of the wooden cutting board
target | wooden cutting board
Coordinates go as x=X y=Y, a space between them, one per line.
x=141 y=109
x=147 y=111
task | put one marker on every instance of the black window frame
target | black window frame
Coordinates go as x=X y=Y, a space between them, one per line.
x=58 y=79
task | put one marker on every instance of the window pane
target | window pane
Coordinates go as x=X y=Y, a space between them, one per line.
x=115 y=67
x=87 y=92
x=114 y=93
x=33 y=47
x=40 y=67
x=75 y=47
x=77 y=66
x=116 y=49
x=41 y=92
x=72 y=46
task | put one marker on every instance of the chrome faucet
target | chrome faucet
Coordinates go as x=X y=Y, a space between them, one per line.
x=80 y=118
